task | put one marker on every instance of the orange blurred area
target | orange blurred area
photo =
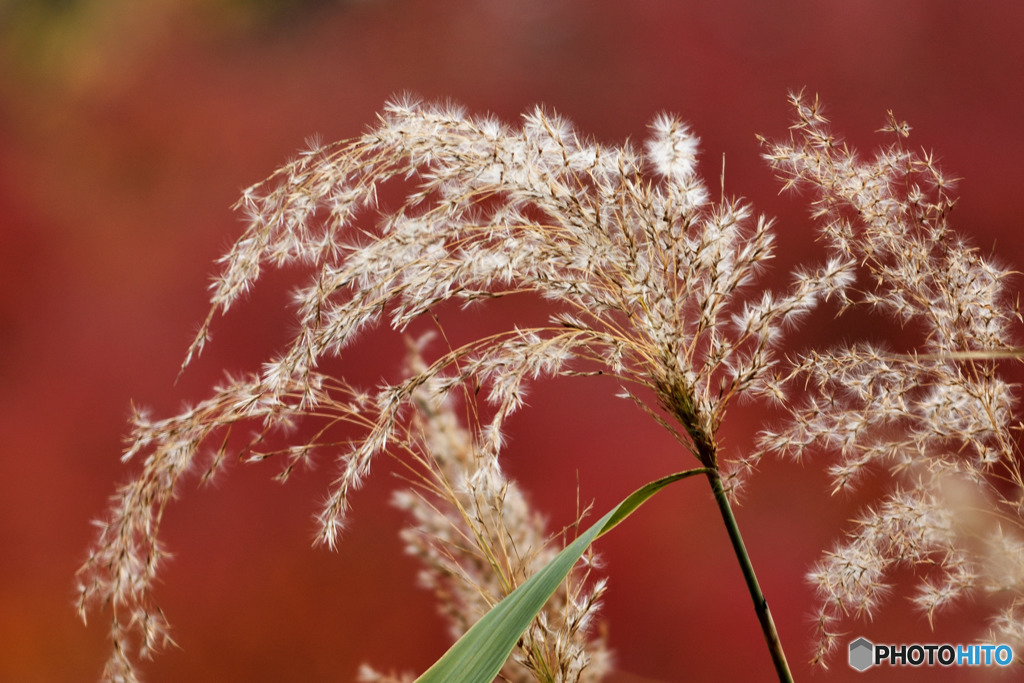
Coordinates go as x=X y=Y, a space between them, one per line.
x=127 y=130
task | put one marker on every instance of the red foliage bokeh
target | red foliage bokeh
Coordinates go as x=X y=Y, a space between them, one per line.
x=123 y=141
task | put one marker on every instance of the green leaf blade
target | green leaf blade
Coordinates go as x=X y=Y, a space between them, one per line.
x=479 y=654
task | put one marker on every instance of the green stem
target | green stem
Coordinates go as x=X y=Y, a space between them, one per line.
x=771 y=635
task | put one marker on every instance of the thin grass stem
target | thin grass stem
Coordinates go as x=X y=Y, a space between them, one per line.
x=764 y=616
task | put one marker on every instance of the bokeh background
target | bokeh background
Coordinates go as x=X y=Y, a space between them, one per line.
x=127 y=130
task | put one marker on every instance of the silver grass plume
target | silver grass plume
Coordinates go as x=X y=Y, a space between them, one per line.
x=650 y=282
x=939 y=418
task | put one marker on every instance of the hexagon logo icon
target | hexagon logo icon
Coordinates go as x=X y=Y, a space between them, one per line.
x=861 y=654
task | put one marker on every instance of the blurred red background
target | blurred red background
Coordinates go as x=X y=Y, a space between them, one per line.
x=128 y=129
